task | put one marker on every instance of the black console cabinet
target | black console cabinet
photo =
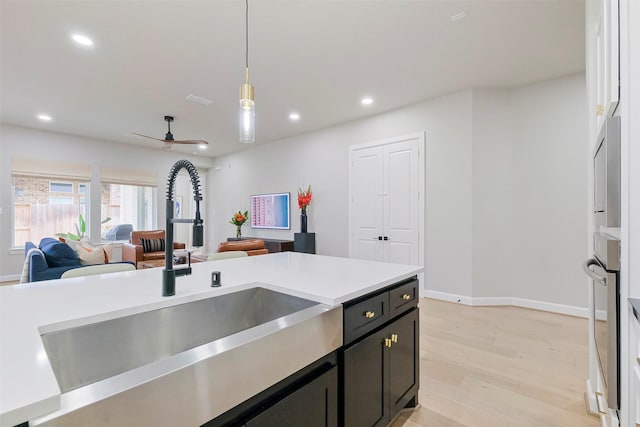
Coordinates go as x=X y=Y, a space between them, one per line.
x=272 y=245
x=380 y=374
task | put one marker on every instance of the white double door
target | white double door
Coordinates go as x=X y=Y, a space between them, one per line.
x=385 y=203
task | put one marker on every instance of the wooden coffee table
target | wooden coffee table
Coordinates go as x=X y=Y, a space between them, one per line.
x=153 y=263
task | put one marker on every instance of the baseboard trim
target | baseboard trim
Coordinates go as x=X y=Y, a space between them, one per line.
x=9 y=278
x=510 y=301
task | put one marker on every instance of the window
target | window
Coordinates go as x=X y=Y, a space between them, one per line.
x=49 y=196
x=43 y=208
x=128 y=204
x=128 y=197
x=61 y=187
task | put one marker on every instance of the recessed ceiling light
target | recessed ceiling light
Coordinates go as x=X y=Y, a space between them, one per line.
x=202 y=146
x=366 y=101
x=45 y=117
x=458 y=16
x=294 y=116
x=83 y=40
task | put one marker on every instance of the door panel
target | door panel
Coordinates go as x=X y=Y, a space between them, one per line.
x=365 y=212
x=314 y=405
x=400 y=252
x=403 y=365
x=401 y=216
x=366 y=401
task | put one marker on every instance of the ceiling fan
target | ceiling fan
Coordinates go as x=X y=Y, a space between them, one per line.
x=169 y=140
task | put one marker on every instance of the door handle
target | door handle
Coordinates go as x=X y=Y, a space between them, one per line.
x=387 y=342
x=594 y=276
x=386 y=238
x=394 y=338
x=379 y=237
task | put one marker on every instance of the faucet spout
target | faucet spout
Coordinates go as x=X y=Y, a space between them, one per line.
x=169 y=274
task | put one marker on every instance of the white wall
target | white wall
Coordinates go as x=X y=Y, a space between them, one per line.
x=505 y=174
x=505 y=182
x=321 y=159
x=549 y=191
x=492 y=194
x=24 y=142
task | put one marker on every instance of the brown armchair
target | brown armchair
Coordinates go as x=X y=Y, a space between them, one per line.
x=134 y=252
x=250 y=246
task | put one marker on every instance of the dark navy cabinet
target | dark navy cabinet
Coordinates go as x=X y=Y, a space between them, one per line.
x=380 y=363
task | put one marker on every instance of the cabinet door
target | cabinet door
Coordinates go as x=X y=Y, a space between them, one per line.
x=366 y=398
x=403 y=361
x=314 y=405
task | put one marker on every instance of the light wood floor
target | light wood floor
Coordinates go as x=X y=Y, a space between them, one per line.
x=500 y=366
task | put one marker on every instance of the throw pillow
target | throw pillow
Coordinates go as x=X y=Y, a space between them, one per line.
x=90 y=256
x=58 y=254
x=152 y=245
x=108 y=253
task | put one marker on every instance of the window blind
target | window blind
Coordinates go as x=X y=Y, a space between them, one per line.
x=39 y=168
x=137 y=177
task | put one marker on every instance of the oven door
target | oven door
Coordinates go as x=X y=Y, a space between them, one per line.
x=605 y=296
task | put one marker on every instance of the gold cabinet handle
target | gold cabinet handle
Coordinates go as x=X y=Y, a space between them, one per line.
x=599 y=110
x=387 y=342
x=394 y=338
x=406 y=297
x=369 y=314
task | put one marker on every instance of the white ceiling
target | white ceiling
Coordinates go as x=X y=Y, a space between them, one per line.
x=318 y=58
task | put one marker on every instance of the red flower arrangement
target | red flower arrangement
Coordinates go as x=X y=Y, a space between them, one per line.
x=238 y=219
x=304 y=199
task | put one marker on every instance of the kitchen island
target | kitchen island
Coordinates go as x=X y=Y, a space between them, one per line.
x=28 y=386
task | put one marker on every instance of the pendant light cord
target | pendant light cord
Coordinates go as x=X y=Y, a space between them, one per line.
x=246 y=29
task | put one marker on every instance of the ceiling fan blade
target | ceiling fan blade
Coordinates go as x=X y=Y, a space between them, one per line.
x=191 y=141
x=150 y=137
x=168 y=139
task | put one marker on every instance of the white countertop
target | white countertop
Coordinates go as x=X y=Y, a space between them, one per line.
x=28 y=388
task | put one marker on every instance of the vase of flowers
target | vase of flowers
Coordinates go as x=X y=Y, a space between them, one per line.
x=238 y=219
x=304 y=200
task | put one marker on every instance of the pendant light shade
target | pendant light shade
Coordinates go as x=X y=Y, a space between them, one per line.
x=247 y=103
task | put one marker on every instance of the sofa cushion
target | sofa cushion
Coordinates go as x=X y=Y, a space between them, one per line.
x=152 y=245
x=147 y=256
x=90 y=256
x=58 y=254
x=152 y=234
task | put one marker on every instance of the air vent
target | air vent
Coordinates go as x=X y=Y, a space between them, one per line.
x=199 y=100
x=458 y=16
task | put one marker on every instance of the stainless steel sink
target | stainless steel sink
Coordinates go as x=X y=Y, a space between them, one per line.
x=205 y=348
x=86 y=354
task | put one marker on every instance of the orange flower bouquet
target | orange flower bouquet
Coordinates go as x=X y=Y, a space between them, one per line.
x=238 y=219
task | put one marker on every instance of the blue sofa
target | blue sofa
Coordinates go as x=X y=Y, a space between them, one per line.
x=55 y=259
x=39 y=268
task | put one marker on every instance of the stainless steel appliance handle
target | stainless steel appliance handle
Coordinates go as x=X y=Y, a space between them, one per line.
x=595 y=276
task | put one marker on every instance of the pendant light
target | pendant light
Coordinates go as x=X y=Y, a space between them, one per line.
x=247 y=104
